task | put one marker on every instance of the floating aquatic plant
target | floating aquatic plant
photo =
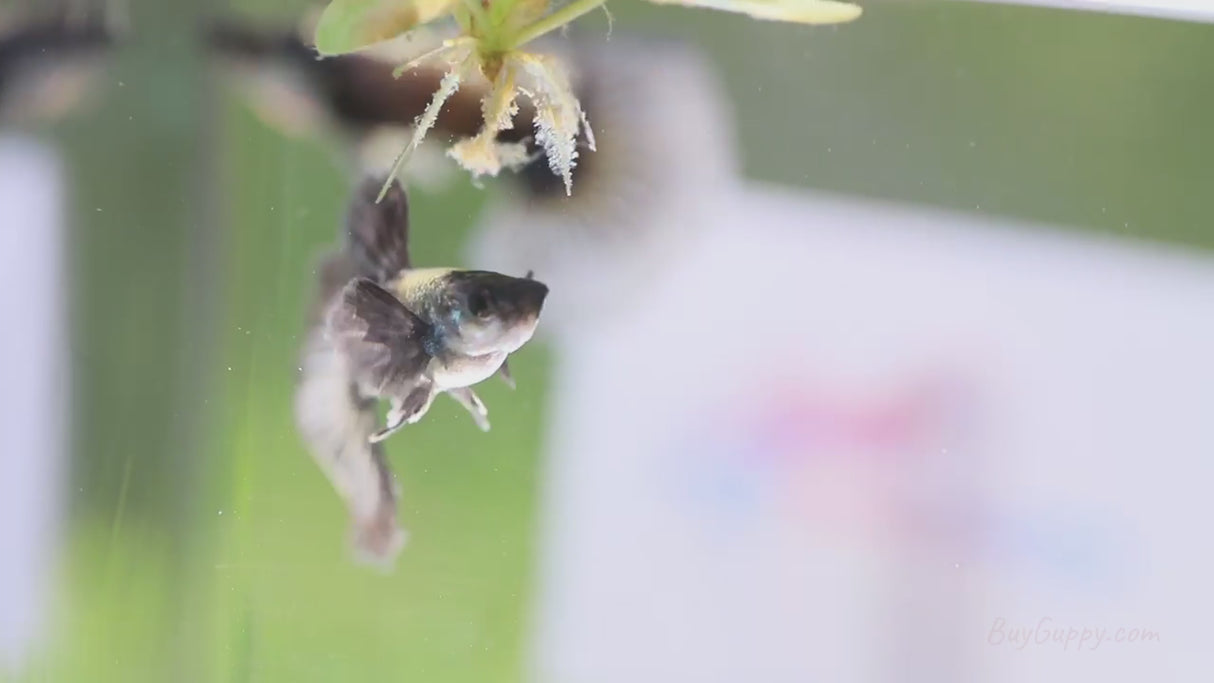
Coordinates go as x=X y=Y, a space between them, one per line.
x=489 y=45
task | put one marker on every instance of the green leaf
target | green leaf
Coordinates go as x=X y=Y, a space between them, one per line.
x=349 y=25
x=796 y=11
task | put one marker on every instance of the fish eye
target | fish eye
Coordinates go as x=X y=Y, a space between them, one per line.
x=479 y=304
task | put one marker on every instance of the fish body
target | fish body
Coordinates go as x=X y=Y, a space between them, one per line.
x=385 y=330
x=423 y=332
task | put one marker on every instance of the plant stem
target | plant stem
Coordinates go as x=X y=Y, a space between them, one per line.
x=478 y=14
x=554 y=21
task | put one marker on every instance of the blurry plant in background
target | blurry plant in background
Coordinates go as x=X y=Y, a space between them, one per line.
x=53 y=63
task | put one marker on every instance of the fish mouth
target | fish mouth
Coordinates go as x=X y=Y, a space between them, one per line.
x=531 y=295
x=528 y=297
x=520 y=333
x=520 y=299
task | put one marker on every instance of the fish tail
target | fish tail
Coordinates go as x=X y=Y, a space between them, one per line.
x=336 y=422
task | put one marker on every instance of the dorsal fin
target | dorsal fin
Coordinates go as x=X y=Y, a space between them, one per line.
x=377 y=234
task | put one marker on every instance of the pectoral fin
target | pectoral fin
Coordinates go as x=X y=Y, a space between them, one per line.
x=407 y=410
x=384 y=346
x=504 y=373
x=474 y=405
x=382 y=341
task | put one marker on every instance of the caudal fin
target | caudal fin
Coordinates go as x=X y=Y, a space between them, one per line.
x=337 y=423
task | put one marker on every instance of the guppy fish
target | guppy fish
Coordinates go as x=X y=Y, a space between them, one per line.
x=385 y=330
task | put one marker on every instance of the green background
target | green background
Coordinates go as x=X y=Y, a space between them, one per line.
x=204 y=544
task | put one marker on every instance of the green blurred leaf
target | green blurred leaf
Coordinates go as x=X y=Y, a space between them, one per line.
x=349 y=25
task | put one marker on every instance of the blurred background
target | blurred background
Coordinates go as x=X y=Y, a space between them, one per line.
x=902 y=347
